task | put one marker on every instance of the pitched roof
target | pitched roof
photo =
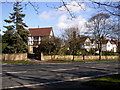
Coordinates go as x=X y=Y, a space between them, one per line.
x=113 y=41
x=82 y=38
x=40 y=31
x=105 y=41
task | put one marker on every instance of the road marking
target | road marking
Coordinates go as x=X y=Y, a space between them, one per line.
x=31 y=85
x=17 y=72
x=64 y=69
x=75 y=79
x=93 y=67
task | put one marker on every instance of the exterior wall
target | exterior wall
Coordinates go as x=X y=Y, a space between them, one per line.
x=51 y=33
x=30 y=49
x=114 y=47
x=39 y=40
x=70 y=57
x=104 y=47
x=14 y=57
x=93 y=45
x=88 y=47
x=31 y=43
x=31 y=40
x=109 y=47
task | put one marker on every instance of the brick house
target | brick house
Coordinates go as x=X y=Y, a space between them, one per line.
x=36 y=36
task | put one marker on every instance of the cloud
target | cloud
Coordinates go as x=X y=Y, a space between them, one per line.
x=61 y=16
x=64 y=22
x=81 y=23
x=73 y=7
x=47 y=15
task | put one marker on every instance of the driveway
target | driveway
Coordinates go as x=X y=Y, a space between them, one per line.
x=46 y=75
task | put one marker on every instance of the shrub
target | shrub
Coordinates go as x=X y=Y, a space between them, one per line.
x=109 y=53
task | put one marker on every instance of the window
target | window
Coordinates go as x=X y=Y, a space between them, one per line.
x=108 y=45
x=36 y=38
x=87 y=43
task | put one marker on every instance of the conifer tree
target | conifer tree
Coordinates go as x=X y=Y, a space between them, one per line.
x=16 y=36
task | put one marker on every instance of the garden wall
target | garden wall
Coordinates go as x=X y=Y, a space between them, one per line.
x=14 y=57
x=70 y=57
x=23 y=56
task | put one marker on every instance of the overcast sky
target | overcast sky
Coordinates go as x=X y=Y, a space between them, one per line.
x=48 y=16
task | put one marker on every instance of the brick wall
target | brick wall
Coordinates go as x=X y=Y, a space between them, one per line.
x=23 y=56
x=14 y=57
x=69 y=57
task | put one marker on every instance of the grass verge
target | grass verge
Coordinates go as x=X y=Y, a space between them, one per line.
x=108 y=82
x=52 y=61
x=70 y=61
x=17 y=62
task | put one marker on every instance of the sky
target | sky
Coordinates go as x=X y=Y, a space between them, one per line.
x=49 y=16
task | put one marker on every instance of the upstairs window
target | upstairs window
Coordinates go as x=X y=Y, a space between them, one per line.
x=36 y=38
x=87 y=43
x=108 y=45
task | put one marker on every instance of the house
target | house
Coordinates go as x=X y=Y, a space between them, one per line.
x=109 y=45
x=86 y=43
x=36 y=36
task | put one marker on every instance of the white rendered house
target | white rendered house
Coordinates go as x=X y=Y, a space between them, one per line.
x=109 y=45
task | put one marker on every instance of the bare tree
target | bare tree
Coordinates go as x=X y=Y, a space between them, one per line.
x=98 y=27
x=70 y=37
x=25 y=5
x=111 y=7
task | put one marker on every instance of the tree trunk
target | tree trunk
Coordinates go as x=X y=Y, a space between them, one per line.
x=99 y=54
x=73 y=56
x=118 y=57
x=83 y=57
x=100 y=50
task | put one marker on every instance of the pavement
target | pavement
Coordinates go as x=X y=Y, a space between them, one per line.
x=46 y=76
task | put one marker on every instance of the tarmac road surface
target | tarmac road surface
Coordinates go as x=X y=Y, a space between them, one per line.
x=46 y=75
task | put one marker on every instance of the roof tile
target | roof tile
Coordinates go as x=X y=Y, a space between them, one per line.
x=40 y=31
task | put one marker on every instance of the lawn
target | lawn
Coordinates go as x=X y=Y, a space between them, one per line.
x=70 y=61
x=52 y=61
x=17 y=62
x=108 y=82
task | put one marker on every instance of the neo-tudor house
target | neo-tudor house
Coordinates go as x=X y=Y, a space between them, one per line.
x=36 y=36
x=86 y=43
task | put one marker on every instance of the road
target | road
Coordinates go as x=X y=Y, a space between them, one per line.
x=49 y=75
